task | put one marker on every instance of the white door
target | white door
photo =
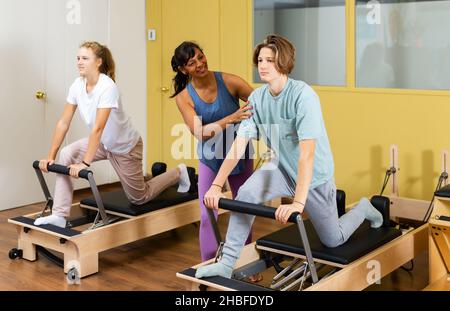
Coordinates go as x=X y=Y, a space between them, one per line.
x=39 y=40
x=22 y=116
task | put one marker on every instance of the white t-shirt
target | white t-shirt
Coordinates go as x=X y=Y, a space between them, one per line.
x=119 y=136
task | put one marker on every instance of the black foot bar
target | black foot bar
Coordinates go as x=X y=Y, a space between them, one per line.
x=85 y=174
x=269 y=212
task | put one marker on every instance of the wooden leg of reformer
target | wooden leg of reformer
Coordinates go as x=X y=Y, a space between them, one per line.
x=28 y=250
x=194 y=287
x=197 y=287
x=436 y=266
x=24 y=243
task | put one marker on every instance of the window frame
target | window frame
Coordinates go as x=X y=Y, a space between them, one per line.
x=350 y=61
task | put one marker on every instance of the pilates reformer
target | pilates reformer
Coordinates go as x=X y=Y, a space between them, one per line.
x=364 y=259
x=99 y=223
x=439 y=239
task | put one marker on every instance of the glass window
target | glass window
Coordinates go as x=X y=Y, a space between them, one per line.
x=403 y=44
x=316 y=28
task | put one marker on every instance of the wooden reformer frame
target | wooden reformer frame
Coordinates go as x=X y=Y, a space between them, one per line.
x=439 y=242
x=353 y=276
x=105 y=231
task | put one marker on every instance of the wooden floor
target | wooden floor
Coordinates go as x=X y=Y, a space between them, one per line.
x=149 y=264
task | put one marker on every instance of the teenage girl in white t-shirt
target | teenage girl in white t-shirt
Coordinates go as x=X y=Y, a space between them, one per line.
x=112 y=137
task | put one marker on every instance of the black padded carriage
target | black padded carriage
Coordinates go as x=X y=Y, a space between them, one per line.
x=364 y=240
x=119 y=203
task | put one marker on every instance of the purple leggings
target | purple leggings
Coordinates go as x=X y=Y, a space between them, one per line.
x=208 y=244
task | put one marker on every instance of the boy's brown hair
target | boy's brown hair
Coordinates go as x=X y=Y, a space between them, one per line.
x=284 y=53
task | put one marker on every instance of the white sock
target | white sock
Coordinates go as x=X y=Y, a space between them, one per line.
x=184 y=184
x=214 y=269
x=372 y=214
x=52 y=220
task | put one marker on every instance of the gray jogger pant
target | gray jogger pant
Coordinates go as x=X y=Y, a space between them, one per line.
x=270 y=182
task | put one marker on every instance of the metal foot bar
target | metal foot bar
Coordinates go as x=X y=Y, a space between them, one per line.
x=305 y=241
x=217 y=235
x=48 y=196
x=85 y=174
x=269 y=212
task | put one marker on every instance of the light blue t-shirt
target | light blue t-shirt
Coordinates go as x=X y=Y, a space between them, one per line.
x=284 y=120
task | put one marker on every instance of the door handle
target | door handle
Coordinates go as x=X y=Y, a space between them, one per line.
x=40 y=95
x=164 y=89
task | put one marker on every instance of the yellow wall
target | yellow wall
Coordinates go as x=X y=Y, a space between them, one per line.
x=221 y=27
x=361 y=123
x=362 y=126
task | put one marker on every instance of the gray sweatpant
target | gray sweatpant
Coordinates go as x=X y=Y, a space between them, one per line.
x=270 y=182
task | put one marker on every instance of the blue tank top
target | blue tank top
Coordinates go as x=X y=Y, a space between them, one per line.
x=213 y=151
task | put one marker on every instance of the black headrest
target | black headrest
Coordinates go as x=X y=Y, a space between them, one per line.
x=340 y=202
x=443 y=192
